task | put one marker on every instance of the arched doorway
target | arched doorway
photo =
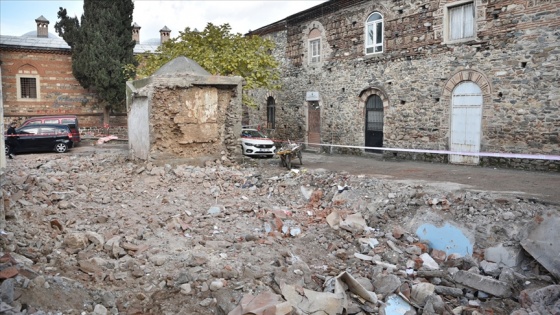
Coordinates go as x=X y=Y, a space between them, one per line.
x=313 y=125
x=270 y=113
x=374 y=123
x=466 y=122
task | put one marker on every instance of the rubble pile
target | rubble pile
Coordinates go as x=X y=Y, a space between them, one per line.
x=100 y=234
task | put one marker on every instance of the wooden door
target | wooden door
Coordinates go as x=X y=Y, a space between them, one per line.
x=313 y=125
x=466 y=122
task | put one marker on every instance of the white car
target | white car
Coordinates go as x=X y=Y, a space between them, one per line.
x=254 y=143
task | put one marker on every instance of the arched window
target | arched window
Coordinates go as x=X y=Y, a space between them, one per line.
x=374 y=34
x=314 y=46
x=270 y=113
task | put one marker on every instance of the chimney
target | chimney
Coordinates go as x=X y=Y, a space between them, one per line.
x=42 y=26
x=136 y=33
x=164 y=34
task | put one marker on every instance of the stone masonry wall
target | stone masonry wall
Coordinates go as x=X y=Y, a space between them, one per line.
x=514 y=58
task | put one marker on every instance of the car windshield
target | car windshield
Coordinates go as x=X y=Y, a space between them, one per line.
x=252 y=134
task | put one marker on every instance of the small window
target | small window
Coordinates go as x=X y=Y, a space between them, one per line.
x=270 y=113
x=28 y=87
x=461 y=22
x=35 y=122
x=51 y=121
x=315 y=50
x=374 y=34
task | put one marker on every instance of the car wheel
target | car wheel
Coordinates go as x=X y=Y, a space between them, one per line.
x=61 y=147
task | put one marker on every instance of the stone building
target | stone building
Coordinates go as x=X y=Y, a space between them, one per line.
x=182 y=112
x=462 y=76
x=37 y=78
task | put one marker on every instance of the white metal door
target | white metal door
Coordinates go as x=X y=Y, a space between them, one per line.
x=466 y=121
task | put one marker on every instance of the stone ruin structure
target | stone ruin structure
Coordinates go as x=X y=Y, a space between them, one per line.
x=182 y=111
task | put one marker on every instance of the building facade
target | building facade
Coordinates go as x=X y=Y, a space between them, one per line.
x=37 y=80
x=466 y=76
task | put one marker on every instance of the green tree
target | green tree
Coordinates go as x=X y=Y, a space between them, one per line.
x=220 y=52
x=101 y=46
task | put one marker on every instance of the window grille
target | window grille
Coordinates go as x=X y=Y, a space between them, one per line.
x=270 y=113
x=28 y=87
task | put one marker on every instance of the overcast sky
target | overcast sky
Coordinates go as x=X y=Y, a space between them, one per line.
x=17 y=17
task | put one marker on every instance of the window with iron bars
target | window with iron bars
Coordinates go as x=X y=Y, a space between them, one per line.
x=28 y=87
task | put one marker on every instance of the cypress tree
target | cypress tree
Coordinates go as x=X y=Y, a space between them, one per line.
x=102 y=45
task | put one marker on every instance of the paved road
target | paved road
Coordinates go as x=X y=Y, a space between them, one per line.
x=541 y=186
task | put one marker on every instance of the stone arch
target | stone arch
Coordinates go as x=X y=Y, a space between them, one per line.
x=374 y=7
x=309 y=32
x=460 y=76
x=468 y=75
x=373 y=101
x=24 y=67
x=366 y=93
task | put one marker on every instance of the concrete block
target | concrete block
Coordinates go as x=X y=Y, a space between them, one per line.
x=543 y=242
x=490 y=268
x=482 y=283
x=503 y=256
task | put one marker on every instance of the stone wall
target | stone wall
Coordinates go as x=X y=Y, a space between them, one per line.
x=514 y=58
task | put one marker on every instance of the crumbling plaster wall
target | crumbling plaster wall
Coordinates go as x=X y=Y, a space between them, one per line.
x=185 y=116
x=191 y=122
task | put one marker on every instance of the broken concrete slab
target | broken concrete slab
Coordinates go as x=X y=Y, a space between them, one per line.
x=396 y=305
x=421 y=291
x=310 y=302
x=503 y=256
x=542 y=301
x=542 y=242
x=386 y=284
x=429 y=262
x=262 y=304
x=447 y=238
x=354 y=223
x=482 y=283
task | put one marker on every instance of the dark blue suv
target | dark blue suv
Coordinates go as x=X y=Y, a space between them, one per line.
x=44 y=137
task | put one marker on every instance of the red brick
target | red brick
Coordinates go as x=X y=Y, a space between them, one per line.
x=9 y=272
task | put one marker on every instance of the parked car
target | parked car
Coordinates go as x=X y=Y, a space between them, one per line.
x=44 y=137
x=254 y=143
x=70 y=120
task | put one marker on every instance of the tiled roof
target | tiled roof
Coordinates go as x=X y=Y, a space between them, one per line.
x=41 y=43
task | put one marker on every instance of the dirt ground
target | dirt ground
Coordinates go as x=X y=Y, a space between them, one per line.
x=92 y=232
x=538 y=185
